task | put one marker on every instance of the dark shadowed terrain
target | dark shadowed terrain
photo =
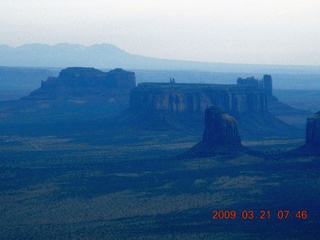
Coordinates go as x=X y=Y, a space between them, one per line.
x=110 y=184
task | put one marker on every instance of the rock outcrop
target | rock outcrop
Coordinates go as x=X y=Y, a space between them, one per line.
x=313 y=130
x=78 y=82
x=195 y=98
x=265 y=83
x=220 y=136
x=182 y=106
x=220 y=128
x=312 y=144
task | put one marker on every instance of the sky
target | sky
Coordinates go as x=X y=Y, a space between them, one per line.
x=285 y=32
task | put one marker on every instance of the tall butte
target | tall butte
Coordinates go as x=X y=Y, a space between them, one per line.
x=220 y=136
x=220 y=128
x=313 y=130
x=312 y=144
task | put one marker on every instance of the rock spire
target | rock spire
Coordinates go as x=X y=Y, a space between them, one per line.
x=313 y=130
x=220 y=137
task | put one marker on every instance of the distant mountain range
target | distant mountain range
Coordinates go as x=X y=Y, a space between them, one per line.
x=107 y=56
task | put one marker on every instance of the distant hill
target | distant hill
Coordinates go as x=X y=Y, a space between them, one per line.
x=107 y=56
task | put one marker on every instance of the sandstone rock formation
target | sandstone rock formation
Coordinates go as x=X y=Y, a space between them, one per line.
x=195 y=98
x=313 y=130
x=78 y=82
x=182 y=106
x=220 y=128
x=312 y=144
x=265 y=83
x=220 y=136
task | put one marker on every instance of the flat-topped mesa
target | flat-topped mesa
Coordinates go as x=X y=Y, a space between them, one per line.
x=80 y=73
x=220 y=128
x=192 y=98
x=82 y=82
x=313 y=130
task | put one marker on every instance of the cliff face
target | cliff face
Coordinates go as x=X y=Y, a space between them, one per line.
x=313 y=130
x=220 y=128
x=191 y=98
x=83 y=82
x=182 y=106
x=220 y=137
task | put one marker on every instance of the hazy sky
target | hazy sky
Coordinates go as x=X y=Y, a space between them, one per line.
x=232 y=31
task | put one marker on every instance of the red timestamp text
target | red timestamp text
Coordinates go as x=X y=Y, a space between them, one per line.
x=261 y=214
